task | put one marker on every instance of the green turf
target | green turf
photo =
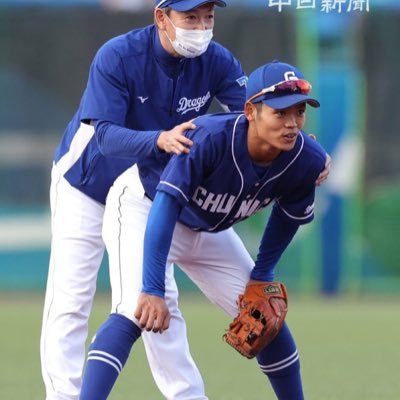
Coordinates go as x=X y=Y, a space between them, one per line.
x=349 y=349
x=382 y=226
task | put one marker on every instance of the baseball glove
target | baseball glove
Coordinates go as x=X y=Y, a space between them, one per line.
x=259 y=320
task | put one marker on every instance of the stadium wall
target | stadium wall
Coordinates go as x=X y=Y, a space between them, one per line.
x=45 y=56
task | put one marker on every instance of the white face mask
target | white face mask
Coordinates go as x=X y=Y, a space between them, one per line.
x=190 y=43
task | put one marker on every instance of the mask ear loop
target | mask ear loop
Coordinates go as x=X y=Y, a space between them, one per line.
x=166 y=33
x=169 y=19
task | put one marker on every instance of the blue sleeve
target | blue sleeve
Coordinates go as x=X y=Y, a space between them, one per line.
x=277 y=236
x=117 y=141
x=231 y=92
x=106 y=96
x=157 y=242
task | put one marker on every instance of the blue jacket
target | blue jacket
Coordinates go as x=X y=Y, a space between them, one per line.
x=134 y=91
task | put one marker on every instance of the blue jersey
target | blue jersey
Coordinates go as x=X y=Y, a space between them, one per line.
x=133 y=83
x=219 y=185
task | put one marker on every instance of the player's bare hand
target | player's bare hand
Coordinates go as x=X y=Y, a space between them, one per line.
x=174 y=141
x=152 y=313
x=323 y=176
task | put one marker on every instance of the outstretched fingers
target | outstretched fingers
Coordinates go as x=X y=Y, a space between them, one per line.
x=175 y=141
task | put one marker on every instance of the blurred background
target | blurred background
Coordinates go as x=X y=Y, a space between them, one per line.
x=343 y=269
x=348 y=49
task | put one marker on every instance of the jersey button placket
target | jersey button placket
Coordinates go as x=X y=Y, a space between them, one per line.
x=173 y=90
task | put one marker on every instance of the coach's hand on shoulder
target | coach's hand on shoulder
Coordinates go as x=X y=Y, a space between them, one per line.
x=323 y=176
x=152 y=313
x=174 y=141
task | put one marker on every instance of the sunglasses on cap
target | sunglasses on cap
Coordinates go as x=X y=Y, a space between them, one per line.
x=292 y=86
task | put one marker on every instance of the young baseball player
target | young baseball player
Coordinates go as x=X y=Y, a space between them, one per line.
x=239 y=164
x=142 y=89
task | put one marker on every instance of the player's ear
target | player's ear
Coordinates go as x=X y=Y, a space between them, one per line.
x=159 y=19
x=250 y=111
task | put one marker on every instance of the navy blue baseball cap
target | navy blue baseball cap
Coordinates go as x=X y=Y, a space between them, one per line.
x=187 y=5
x=279 y=85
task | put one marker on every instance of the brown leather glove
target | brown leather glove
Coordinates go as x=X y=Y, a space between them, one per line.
x=260 y=317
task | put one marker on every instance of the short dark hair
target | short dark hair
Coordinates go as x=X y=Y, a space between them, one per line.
x=258 y=106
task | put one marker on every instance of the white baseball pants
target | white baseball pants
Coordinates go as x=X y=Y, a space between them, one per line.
x=218 y=263
x=77 y=250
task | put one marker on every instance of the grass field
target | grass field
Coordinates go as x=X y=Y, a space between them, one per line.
x=350 y=350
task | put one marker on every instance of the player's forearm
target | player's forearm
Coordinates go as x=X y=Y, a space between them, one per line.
x=117 y=141
x=157 y=242
x=277 y=236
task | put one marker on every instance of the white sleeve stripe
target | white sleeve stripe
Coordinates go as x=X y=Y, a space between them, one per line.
x=281 y=364
x=78 y=144
x=297 y=218
x=176 y=188
x=107 y=355
x=105 y=360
